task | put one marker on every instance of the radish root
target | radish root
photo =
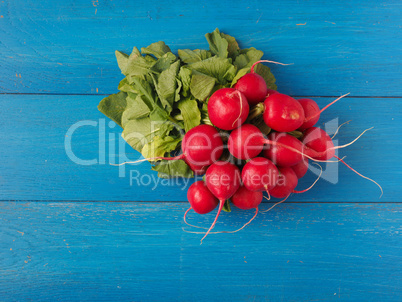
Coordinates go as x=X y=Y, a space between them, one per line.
x=279 y=202
x=266 y=61
x=322 y=110
x=361 y=175
x=226 y=232
x=273 y=143
x=348 y=144
x=319 y=176
x=216 y=218
x=269 y=195
x=150 y=159
x=192 y=225
x=336 y=132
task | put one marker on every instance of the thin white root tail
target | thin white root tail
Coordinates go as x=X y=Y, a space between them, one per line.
x=323 y=109
x=274 y=143
x=131 y=162
x=221 y=203
x=189 y=224
x=361 y=175
x=269 y=195
x=348 y=144
x=305 y=190
x=279 y=202
x=266 y=61
x=227 y=232
x=151 y=159
x=336 y=132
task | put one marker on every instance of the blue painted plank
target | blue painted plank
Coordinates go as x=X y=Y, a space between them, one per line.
x=139 y=252
x=336 y=47
x=35 y=165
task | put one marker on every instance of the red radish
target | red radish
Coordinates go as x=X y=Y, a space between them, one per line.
x=197 y=169
x=283 y=113
x=246 y=142
x=259 y=174
x=287 y=181
x=228 y=108
x=271 y=91
x=310 y=109
x=318 y=140
x=312 y=112
x=201 y=146
x=245 y=199
x=201 y=199
x=223 y=180
x=301 y=168
x=253 y=86
x=281 y=155
x=284 y=149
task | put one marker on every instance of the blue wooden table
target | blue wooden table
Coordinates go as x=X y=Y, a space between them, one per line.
x=75 y=228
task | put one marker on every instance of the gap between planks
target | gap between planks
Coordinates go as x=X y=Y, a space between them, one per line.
x=177 y=201
x=296 y=96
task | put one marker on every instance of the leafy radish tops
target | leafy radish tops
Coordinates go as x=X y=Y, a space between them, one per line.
x=218 y=112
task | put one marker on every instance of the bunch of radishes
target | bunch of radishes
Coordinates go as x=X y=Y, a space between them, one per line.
x=270 y=164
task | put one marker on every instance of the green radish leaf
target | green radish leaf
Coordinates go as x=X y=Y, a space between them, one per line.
x=113 y=106
x=185 y=78
x=247 y=57
x=178 y=90
x=226 y=206
x=145 y=89
x=159 y=146
x=244 y=61
x=189 y=56
x=157 y=49
x=166 y=86
x=266 y=73
x=220 y=69
x=137 y=65
x=239 y=74
x=201 y=86
x=173 y=169
x=233 y=46
x=136 y=108
x=139 y=132
x=158 y=114
x=217 y=44
x=125 y=86
x=190 y=113
x=122 y=60
x=163 y=63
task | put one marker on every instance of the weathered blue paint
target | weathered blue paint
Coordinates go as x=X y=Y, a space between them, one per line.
x=95 y=251
x=336 y=47
x=139 y=252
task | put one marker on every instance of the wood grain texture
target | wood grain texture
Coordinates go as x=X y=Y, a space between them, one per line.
x=35 y=165
x=336 y=47
x=139 y=252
